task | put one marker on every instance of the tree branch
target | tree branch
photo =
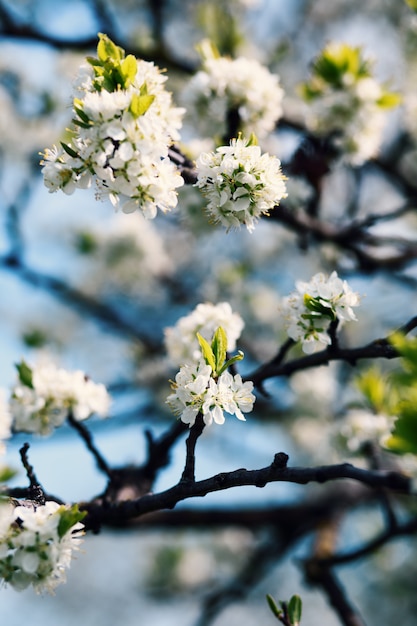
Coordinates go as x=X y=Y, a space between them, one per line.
x=276 y=472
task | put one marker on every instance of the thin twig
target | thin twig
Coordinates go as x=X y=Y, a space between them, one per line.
x=188 y=474
x=35 y=491
x=88 y=440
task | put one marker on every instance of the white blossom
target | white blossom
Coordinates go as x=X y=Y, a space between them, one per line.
x=43 y=403
x=360 y=426
x=195 y=391
x=240 y=85
x=124 y=152
x=309 y=311
x=181 y=340
x=240 y=182
x=34 y=550
x=348 y=102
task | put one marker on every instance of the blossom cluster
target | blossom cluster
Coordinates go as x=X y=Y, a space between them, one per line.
x=36 y=544
x=181 y=340
x=345 y=99
x=239 y=85
x=124 y=123
x=240 y=182
x=197 y=390
x=361 y=426
x=203 y=384
x=309 y=311
x=46 y=394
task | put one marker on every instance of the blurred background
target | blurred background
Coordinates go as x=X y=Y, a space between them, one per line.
x=95 y=289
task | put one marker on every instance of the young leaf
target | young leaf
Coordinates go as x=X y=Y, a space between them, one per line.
x=238 y=357
x=25 y=374
x=107 y=49
x=207 y=50
x=389 y=100
x=316 y=306
x=140 y=104
x=294 y=610
x=69 y=150
x=374 y=387
x=219 y=347
x=80 y=112
x=69 y=517
x=128 y=68
x=6 y=474
x=273 y=606
x=207 y=352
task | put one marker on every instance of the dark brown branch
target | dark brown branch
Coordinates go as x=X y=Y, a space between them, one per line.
x=400 y=530
x=35 y=491
x=376 y=349
x=327 y=580
x=276 y=472
x=197 y=428
x=86 y=436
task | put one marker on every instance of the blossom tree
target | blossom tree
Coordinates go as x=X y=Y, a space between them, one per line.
x=247 y=242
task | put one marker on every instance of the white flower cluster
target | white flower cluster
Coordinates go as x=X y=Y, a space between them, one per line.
x=195 y=390
x=120 y=141
x=355 y=114
x=241 y=85
x=349 y=102
x=45 y=394
x=361 y=426
x=240 y=182
x=181 y=340
x=36 y=544
x=309 y=311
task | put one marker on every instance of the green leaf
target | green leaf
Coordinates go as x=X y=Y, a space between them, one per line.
x=69 y=150
x=253 y=140
x=294 y=610
x=80 y=112
x=219 y=347
x=389 y=100
x=336 y=60
x=412 y=4
x=238 y=357
x=316 y=306
x=79 y=123
x=68 y=518
x=207 y=352
x=6 y=473
x=207 y=50
x=86 y=242
x=107 y=49
x=128 y=68
x=273 y=606
x=93 y=61
x=140 y=104
x=374 y=386
x=25 y=374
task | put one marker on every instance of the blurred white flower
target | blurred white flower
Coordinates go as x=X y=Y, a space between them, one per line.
x=181 y=340
x=240 y=85
x=360 y=426
x=46 y=394
x=345 y=99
